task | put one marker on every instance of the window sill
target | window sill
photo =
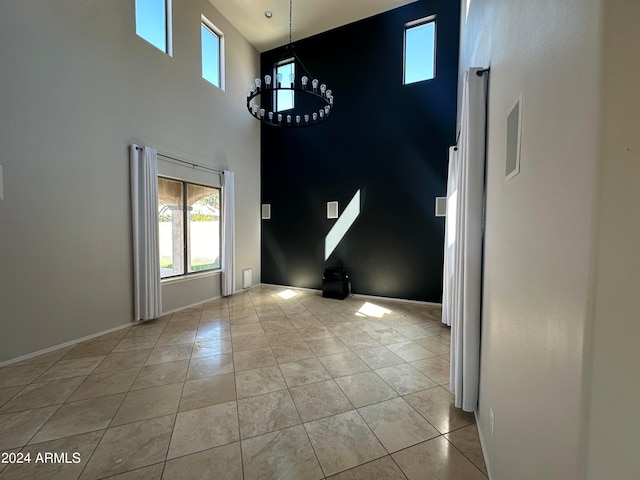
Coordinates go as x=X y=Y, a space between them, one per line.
x=192 y=276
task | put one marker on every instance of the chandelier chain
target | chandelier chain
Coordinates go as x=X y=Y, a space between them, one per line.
x=290 y=21
x=300 y=83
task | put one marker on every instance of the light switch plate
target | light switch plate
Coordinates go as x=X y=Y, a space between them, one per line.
x=266 y=211
x=441 y=206
x=332 y=209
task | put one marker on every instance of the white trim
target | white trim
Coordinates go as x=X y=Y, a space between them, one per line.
x=403 y=300
x=482 y=444
x=191 y=305
x=169 y=26
x=221 y=46
x=358 y=295
x=190 y=276
x=66 y=344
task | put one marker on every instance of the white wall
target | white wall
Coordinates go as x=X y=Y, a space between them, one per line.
x=539 y=230
x=615 y=389
x=77 y=86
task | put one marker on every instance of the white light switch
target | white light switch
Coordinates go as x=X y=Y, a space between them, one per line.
x=1 y=184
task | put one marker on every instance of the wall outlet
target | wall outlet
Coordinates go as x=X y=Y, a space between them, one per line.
x=492 y=419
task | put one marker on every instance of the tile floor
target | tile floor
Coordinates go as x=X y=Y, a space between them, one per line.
x=268 y=384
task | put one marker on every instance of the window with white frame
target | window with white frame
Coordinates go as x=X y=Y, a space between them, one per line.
x=420 y=50
x=212 y=53
x=188 y=227
x=285 y=74
x=153 y=23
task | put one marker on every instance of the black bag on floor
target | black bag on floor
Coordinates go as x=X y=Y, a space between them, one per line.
x=335 y=283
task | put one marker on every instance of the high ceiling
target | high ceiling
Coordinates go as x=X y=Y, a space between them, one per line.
x=309 y=17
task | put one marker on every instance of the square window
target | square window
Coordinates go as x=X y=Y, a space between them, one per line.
x=420 y=50
x=285 y=73
x=153 y=23
x=211 y=53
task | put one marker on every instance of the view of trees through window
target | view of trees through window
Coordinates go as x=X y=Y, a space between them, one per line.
x=188 y=227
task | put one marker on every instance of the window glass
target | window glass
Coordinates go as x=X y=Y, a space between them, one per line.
x=210 y=55
x=203 y=227
x=188 y=227
x=284 y=99
x=170 y=227
x=151 y=22
x=419 y=51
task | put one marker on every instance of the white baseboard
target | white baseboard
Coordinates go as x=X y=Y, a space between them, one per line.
x=358 y=295
x=191 y=306
x=482 y=445
x=63 y=345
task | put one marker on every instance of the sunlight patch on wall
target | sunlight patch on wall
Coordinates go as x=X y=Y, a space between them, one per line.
x=342 y=225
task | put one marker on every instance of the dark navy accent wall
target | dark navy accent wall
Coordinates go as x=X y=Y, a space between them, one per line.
x=387 y=139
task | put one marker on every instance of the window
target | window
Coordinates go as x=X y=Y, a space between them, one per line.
x=420 y=50
x=284 y=99
x=211 y=53
x=153 y=23
x=188 y=227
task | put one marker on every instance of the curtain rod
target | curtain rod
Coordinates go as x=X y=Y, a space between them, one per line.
x=194 y=165
x=479 y=73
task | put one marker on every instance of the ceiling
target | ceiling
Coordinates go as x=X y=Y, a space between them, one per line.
x=309 y=17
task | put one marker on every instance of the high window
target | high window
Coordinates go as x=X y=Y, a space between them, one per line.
x=153 y=22
x=189 y=227
x=212 y=53
x=420 y=50
x=285 y=74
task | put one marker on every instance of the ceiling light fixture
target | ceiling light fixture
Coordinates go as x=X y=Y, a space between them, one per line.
x=318 y=99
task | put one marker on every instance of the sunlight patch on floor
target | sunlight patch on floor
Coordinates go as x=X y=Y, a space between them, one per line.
x=287 y=294
x=372 y=310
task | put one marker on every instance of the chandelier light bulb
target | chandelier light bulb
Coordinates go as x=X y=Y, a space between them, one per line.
x=267 y=80
x=314 y=84
x=279 y=118
x=315 y=116
x=306 y=119
x=288 y=118
x=321 y=114
x=279 y=79
x=323 y=88
x=258 y=82
x=297 y=118
x=327 y=109
x=304 y=81
x=262 y=112
x=270 y=115
x=328 y=93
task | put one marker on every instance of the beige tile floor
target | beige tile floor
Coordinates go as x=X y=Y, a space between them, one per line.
x=268 y=384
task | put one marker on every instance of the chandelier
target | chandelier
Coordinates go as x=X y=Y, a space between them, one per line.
x=315 y=97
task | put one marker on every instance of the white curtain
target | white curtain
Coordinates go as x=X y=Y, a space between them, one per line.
x=462 y=279
x=228 y=233
x=146 y=258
